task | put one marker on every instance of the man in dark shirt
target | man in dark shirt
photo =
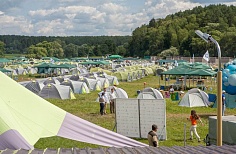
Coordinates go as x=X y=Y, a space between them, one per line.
x=152 y=136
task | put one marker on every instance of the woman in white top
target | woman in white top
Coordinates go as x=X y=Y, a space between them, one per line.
x=112 y=97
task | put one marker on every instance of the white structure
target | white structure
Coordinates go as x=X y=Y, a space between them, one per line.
x=134 y=117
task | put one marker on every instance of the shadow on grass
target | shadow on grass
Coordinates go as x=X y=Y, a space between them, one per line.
x=94 y=114
x=206 y=116
x=178 y=140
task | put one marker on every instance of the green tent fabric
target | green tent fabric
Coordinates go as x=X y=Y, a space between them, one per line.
x=4 y=70
x=202 y=72
x=65 y=66
x=46 y=65
x=115 y=57
x=4 y=60
x=25 y=118
x=176 y=71
x=88 y=63
x=201 y=67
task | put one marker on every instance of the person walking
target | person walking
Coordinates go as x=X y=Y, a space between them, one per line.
x=152 y=136
x=223 y=103
x=112 y=96
x=193 y=129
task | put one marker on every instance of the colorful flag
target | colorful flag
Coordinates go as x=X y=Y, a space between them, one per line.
x=206 y=56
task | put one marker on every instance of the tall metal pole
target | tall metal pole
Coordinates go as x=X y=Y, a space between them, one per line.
x=219 y=95
x=208 y=38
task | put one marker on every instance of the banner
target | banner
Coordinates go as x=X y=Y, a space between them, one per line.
x=206 y=56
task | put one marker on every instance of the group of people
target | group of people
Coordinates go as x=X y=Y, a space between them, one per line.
x=153 y=138
x=109 y=97
x=105 y=98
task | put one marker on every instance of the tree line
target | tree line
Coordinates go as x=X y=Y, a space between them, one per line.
x=169 y=36
x=63 y=47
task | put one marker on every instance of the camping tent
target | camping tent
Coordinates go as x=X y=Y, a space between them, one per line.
x=112 y=80
x=119 y=92
x=60 y=79
x=34 y=86
x=77 y=86
x=195 y=97
x=21 y=71
x=150 y=93
x=93 y=84
x=24 y=120
x=51 y=90
x=74 y=77
x=104 y=81
x=50 y=80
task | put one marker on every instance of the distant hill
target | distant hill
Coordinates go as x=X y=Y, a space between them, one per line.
x=178 y=30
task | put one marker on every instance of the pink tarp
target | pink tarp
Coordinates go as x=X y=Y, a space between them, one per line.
x=78 y=129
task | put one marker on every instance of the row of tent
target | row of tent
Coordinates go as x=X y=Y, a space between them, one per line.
x=64 y=87
x=124 y=73
x=193 y=97
x=130 y=73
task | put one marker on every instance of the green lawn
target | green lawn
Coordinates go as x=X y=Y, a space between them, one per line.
x=86 y=108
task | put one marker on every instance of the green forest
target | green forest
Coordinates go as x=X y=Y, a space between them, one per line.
x=169 y=36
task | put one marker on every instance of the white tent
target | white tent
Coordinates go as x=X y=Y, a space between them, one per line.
x=112 y=80
x=104 y=81
x=119 y=92
x=194 y=98
x=77 y=86
x=56 y=91
x=32 y=70
x=93 y=84
x=150 y=93
x=21 y=71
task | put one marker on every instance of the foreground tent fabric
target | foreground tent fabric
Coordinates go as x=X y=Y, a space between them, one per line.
x=24 y=120
x=195 y=97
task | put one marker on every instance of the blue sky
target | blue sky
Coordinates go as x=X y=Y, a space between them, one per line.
x=88 y=17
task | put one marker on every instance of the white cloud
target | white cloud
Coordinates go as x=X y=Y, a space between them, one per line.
x=73 y=17
x=13 y=25
x=111 y=8
x=162 y=8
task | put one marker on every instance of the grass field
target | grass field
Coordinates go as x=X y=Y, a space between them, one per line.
x=86 y=107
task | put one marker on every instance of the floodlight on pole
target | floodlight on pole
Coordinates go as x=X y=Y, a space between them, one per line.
x=206 y=37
